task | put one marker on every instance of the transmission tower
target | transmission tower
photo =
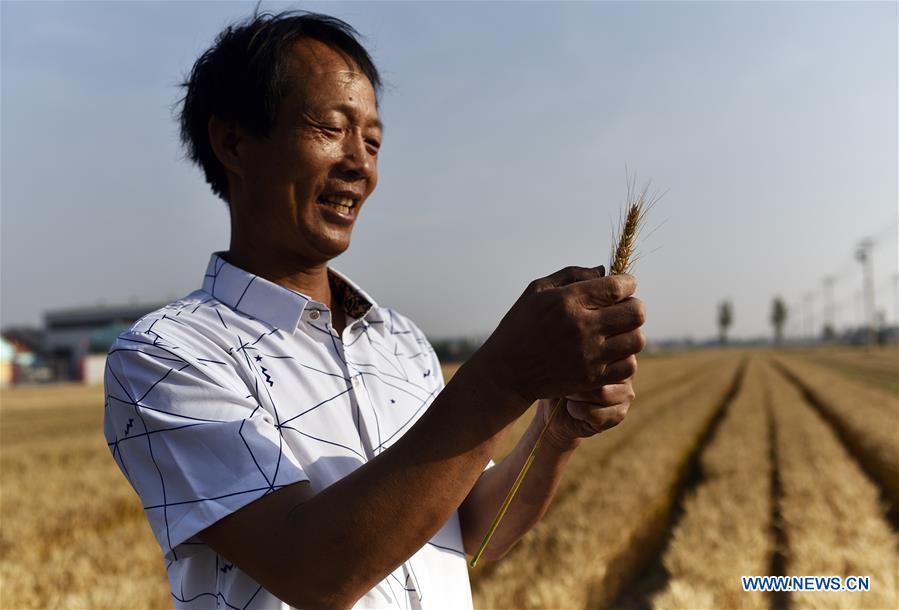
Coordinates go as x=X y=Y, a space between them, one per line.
x=863 y=255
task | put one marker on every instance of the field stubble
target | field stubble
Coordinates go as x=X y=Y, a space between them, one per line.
x=578 y=557
x=877 y=366
x=867 y=419
x=726 y=527
x=74 y=534
x=764 y=502
x=833 y=518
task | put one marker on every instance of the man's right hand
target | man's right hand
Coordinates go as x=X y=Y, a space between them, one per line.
x=563 y=332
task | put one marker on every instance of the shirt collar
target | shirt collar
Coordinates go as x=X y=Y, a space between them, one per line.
x=277 y=305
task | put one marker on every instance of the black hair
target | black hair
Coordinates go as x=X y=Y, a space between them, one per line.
x=243 y=77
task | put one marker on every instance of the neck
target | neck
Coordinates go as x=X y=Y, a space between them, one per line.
x=310 y=280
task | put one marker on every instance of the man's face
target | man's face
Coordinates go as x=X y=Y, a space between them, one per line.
x=303 y=186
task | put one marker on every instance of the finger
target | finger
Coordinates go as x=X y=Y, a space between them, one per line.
x=622 y=317
x=604 y=291
x=623 y=345
x=619 y=371
x=604 y=396
x=598 y=419
x=569 y=275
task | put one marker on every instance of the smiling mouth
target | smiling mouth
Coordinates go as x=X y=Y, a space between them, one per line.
x=341 y=203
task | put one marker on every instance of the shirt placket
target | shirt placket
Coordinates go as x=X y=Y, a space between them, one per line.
x=355 y=351
x=369 y=425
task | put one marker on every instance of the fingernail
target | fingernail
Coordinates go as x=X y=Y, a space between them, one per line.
x=602 y=270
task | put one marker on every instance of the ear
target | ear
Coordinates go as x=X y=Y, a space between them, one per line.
x=226 y=137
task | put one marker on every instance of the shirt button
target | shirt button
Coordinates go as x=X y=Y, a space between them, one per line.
x=314 y=314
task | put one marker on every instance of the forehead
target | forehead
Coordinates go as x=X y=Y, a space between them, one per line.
x=316 y=70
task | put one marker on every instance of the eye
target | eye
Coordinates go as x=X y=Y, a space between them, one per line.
x=373 y=146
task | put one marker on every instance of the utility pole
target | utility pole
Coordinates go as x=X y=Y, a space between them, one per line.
x=829 y=309
x=896 y=299
x=863 y=255
x=858 y=309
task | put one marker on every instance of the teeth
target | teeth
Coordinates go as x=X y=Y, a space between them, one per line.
x=343 y=209
x=344 y=202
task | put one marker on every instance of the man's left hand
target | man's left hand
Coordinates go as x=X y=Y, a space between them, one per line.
x=589 y=413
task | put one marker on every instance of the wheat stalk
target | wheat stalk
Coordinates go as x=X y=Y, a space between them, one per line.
x=622 y=262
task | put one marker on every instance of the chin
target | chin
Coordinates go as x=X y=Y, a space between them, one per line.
x=332 y=246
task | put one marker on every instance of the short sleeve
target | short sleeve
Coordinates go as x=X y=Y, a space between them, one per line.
x=189 y=436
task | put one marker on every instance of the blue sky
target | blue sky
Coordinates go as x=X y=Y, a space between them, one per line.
x=772 y=127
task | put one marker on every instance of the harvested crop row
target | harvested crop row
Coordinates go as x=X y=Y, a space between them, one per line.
x=877 y=368
x=660 y=373
x=867 y=419
x=885 y=359
x=854 y=364
x=594 y=538
x=725 y=531
x=666 y=386
x=832 y=518
x=679 y=390
x=672 y=387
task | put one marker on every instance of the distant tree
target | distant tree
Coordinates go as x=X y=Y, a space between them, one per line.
x=880 y=335
x=725 y=319
x=778 y=318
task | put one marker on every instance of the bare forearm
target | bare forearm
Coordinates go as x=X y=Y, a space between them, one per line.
x=531 y=500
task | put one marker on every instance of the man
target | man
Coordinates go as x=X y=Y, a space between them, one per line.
x=292 y=442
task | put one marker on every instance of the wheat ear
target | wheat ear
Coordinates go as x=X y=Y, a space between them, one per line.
x=638 y=204
x=621 y=258
x=622 y=262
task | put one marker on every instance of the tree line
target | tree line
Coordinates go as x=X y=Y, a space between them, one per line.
x=778 y=319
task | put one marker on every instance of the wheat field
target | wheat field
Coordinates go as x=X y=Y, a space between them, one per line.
x=729 y=463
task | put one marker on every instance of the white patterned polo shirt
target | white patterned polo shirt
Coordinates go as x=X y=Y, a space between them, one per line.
x=243 y=387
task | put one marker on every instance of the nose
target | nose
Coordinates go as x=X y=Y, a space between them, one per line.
x=357 y=162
